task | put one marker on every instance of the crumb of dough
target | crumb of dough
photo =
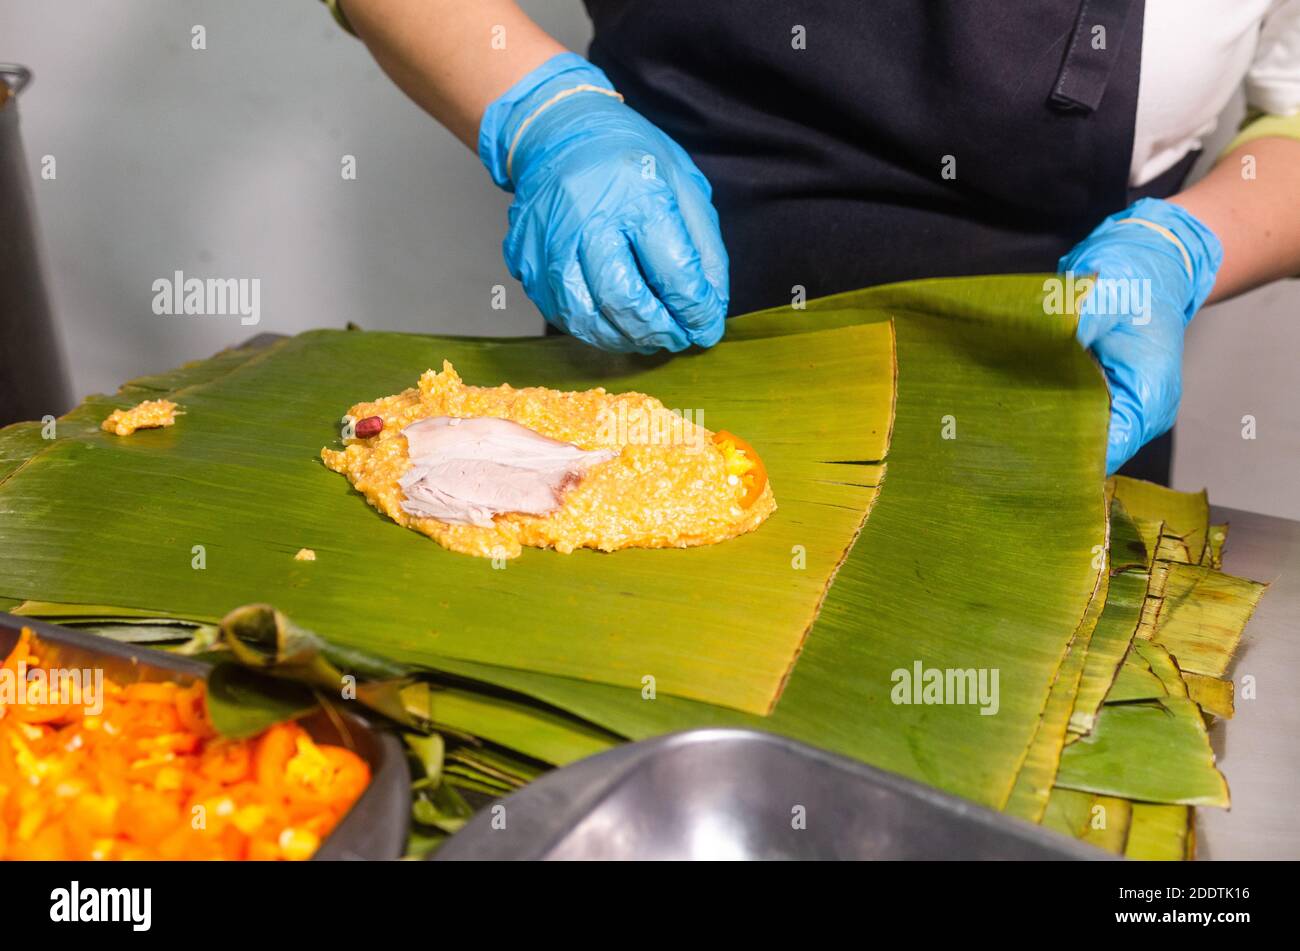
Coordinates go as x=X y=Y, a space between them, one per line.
x=305 y=554
x=151 y=414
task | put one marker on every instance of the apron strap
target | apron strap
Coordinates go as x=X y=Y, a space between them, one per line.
x=1093 y=52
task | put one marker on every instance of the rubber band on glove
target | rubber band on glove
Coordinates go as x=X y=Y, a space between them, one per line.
x=612 y=230
x=1159 y=262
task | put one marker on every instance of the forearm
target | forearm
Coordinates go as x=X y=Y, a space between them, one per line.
x=442 y=52
x=1256 y=218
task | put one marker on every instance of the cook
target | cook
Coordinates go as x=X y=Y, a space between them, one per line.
x=720 y=157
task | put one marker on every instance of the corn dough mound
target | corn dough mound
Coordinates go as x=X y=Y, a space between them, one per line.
x=669 y=486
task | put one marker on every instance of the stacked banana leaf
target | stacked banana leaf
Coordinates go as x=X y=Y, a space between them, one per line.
x=949 y=588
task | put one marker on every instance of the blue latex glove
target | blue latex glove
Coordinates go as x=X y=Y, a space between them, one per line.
x=612 y=230
x=1135 y=328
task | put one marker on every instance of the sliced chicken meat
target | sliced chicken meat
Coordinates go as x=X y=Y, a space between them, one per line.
x=465 y=471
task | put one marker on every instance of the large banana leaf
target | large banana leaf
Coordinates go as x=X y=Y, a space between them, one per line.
x=20 y=441
x=979 y=556
x=238 y=476
x=949 y=572
x=1185 y=771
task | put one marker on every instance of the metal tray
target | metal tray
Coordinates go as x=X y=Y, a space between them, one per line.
x=737 y=794
x=374 y=828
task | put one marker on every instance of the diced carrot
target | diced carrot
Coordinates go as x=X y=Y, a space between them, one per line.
x=148 y=778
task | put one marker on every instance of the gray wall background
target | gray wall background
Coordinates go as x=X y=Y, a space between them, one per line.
x=226 y=163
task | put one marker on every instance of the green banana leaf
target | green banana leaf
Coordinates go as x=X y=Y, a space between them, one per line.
x=1102 y=821
x=1214 y=547
x=20 y=441
x=1187 y=514
x=547 y=735
x=1204 y=614
x=1148 y=674
x=948 y=570
x=1063 y=654
x=1108 y=827
x=979 y=556
x=1213 y=695
x=1159 y=833
x=238 y=476
x=242 y=704
x=1135 y=682
x=1068 y=812
x=1154 y=752
x=1163 y=667
x=909 y=554
x=1125 y=597
x=1031 y=794
x=1153 y=749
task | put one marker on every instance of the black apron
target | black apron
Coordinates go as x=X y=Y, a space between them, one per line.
x=858 y=142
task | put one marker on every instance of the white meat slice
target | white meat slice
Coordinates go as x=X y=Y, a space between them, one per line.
x=465 y=471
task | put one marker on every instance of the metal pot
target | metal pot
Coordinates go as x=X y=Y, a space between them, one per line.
x=33 y=376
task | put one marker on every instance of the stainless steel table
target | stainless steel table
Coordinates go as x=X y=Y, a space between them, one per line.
x=1259 y=749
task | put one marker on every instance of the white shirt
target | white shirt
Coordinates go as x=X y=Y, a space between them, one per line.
x=1195 y=55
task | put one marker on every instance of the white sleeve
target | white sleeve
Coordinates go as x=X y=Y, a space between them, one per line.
x=1273 y=80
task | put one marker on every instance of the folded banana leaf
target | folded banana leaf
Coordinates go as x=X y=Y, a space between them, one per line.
x=548 y=736
x=1154 y=705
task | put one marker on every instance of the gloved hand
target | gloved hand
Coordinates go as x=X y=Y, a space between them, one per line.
x=612 y=231
x=1134 y=317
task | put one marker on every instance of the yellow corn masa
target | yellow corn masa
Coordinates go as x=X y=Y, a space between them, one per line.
x=668 y=487
x=151 y=414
